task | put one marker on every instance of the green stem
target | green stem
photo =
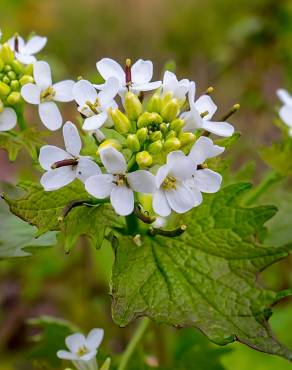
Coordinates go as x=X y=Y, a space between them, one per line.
x=20 y=118
x=270 y=179
x=132 y=224
x=141 y=329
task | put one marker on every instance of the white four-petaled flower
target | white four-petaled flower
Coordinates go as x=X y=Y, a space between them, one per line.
x=117 y=183
x=141 y=75
x=24 y=51
x=285 y=112
x=200 y=114
x=82 y=350
x=171 y=84
x=8 y=119
x=64 y=166
x=44 y=94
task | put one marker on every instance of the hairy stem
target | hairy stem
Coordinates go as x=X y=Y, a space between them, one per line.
x=141 y=329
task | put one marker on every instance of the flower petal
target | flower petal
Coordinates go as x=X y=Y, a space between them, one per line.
x=219 y=128
x=100 y=186
x=203 y=149
x=174 y=156
x=113 y=160
x=110 y=68
x=207 y=181
x=88 y=357
x=11 y=43
x=109 y=91
x=284 y=96
x=50 y=154
x=181 y=199
x=192 y=94
x=141 y=181
x=170 y=82
x=8 y=119
x=75 y=341
x=34 y=45
x=193 y=120
x=72 y=139
x=84 y=91
x=50 y=115
x=122 y=200
x=42 y=75
x=206 y=104
x=56 y=179
x=160 y=204
x=182 y=169
x=161 y=175
x=66 y=355
x=94 y=122
x=94 y=338
x=285 y=114
x=64 y=90
x=31 y=93
x=25 y=58
x=147 y=86
x=142 y=71
x=86 y=168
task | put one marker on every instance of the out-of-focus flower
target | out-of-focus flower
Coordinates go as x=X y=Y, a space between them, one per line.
x=24 y=51
x=285 y=111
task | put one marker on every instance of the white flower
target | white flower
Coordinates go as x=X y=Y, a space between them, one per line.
x=138 y=79
x=204 y=180
x=43 y=94
x=285 y=112
x=171 y=84
x=172 y=190
x=8 y=119
x=82 y=350
x=24 y=51
x=117 y=183
x=64 y=166
x=205 y=106
x=95 y=105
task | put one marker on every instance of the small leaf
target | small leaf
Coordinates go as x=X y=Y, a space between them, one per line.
x=279 y=157
x=228 y=141
x=205 y=278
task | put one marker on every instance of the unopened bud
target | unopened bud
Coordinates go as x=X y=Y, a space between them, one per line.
x=12 y=75
x=106 y=365
x=148 y=118
x=110 y=143
x=163 y=128
x=1 y=106
x=186 y=138
x=16 y=66
x=171 y=144
x=156 y=135
x=4 y=89
x=7 y=68
x=25 y=80
x=1 y=64
x=142 y=134
x=120 y=120
x=177 y=124
x=166 y=99
x=14 y=85
x=133 y=143
x=14 y=98
x=171 y=134
x=6 y=80
x=28 y=70
x=170 y=111
x=156 y=147
x=154 y=104
x=6 y=54
x=133 y=105
x=144 y=159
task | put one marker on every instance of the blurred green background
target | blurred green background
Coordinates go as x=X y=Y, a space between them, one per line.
x=244 y=49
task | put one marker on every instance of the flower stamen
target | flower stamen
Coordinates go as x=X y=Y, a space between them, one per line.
x=48 y=94
x=169 y=183
x=83 y=350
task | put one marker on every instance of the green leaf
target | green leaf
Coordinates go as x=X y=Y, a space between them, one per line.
x=10 y=144
x=228 y=141
x=205 y=278
x=43 y=209
x=17 y=237
x=279 y=157
x=52 y=338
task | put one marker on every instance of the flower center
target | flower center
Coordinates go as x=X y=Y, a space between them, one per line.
x=48 y=94
x=92 y=106
x=120 y=180
x=83 y=350
x=169 y=183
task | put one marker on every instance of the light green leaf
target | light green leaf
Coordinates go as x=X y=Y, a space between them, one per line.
x=205 y=278
x=279 y=157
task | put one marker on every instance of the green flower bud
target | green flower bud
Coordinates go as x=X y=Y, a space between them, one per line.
x=1 y=106
x=28 y=70
x=186 y=138
x=6 y=80
x=120 y=120
x=171 y=144
x=133 y=143
x=156 y=147
x=148 y=118
x=7 y=68
x=4 y=89
x=12 y=75
x=163 y=128
x=15 y=85
x=142 y=134
x=156 y=135
x=171 y=134
x=106 y=365
x=1 y=64
x=17 y=67
x=133 y=106
x=144 y=159
x=25 y=80
x=14 y=98
x=110 y=142
x=166 y=98
x=177 y=124
x=170 y=111
x=6 y=54
x=154 y=104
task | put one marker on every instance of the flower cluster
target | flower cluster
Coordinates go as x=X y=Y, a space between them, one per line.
x=285 y=112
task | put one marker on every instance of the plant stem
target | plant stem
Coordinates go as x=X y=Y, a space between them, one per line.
x=20 y=119
x=270 y=179
x=132 y=224
x=141 y=329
